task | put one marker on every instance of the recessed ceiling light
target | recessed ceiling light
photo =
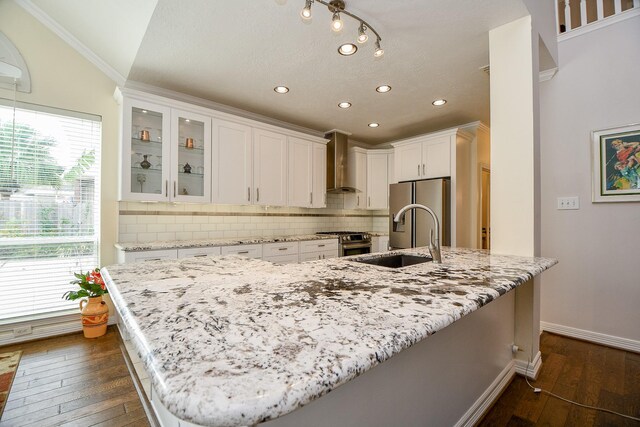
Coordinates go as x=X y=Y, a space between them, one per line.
x=439 y=102
x=144 y=111
x=187 y=120
x=347 y=49
x=344 y=104
x=281 y=89
x=373 y=125
x=383 y=89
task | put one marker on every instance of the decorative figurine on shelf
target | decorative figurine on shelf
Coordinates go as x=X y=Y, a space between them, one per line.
x=184 y=192
x=187 y=168
x=145 y=164
x=189 y=143
x=144 y=135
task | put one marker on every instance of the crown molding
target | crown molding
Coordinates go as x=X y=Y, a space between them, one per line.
x=548 y=74
x=597 y=25
x=72 y=41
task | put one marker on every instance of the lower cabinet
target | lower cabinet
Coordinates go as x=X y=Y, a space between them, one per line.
x=199 y=252
x=379 y=244
x=281 y=252
x=313 y=250
x=126 y=257
x=250 y=251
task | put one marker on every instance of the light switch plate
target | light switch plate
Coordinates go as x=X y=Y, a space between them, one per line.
x=568 y=203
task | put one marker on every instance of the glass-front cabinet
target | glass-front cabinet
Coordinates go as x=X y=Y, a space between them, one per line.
x=166 y=154
x=191 y=157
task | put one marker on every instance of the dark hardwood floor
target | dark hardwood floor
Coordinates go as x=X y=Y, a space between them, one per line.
x=577 y=370
x=73 y=381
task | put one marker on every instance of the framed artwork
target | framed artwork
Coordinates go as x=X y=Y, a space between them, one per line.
x=616 y=164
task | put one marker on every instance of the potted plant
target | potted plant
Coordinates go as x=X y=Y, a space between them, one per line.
x=95 y=312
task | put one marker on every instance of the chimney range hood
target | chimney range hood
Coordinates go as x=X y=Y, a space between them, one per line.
x=337 y=172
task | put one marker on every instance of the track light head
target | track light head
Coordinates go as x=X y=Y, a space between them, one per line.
x=306 y=12
x=379 y=51
x=362 y=33
x=336 y=22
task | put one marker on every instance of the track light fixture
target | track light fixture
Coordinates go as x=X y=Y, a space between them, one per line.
x=306 y=12
x=337 y=7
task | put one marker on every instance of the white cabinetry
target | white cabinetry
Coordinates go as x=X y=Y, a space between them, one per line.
x=379 y=243
x=127 y=257
x=312 y=250
x=269 y=168
x=377 y=179
x=199 y=252
x=280 y=252
x=307 y=173
x=166 y=153
x=424 y=157
x=249 y=251
x=232 y=160
x=357 y=178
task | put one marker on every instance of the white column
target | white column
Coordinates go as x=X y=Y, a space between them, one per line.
x=583 y=12
x=600 y=8
x=515 y=192
x=567 y=15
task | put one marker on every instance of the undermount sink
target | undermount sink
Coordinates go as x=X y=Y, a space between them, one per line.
x=395 y=261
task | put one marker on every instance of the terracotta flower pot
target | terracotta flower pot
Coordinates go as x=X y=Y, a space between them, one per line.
x=95 y=314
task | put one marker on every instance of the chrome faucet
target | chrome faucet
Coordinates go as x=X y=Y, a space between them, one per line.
x=434 y=246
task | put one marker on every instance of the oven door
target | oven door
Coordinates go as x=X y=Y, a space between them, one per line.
x=356 y=249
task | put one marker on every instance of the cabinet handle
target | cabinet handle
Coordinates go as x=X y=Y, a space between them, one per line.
x=153 y=259
x=358 y=202
x=310 y=198
x=242 y=252
x=322 y=256
x=418 y=170
x=325 y=198
x=174 y=188
x=248 y=194
x=257 y=194
x=369 y=201
x=321 y=246
x=423 y=169
x=166 y=188
x=283 y=249
x=200 y=255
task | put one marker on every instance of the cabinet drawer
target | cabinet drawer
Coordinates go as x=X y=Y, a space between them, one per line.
x=283 y=259
x=319 y=245
x=279 y=249
x=198 y=252
x=250 y=251
x=315 y=256
x=151 y=255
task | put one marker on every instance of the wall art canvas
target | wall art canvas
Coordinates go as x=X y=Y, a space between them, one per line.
x=616 y=164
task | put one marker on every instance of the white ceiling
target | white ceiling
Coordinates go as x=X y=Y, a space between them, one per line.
x=235 y=52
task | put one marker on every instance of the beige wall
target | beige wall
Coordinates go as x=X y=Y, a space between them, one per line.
x=62 y=78
x=596 y=285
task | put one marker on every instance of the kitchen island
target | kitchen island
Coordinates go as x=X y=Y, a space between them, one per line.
x=236 y=341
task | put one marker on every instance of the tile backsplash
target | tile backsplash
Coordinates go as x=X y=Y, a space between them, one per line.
x=146 y=222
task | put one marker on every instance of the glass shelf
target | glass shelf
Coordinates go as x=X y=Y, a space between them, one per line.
x=139 y=169
x=184 y=149
x=137 y=141
x=192 y=174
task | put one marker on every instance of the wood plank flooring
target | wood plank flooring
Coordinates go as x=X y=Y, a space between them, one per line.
x=73 y=381
x=577 y=370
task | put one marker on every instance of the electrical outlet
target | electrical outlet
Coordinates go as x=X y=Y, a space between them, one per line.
x=568 y=203
x=22 y=330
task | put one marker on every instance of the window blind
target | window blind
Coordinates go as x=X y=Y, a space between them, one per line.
x=49 y=206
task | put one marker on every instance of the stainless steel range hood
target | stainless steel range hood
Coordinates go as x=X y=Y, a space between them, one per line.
x=337 y=164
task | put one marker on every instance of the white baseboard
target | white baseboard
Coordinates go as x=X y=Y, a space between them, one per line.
x=595 y=337
x=44 y=328
x=526 y=369
x=480 y=406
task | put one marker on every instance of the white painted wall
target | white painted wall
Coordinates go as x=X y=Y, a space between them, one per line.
x=62 y=78
x=596 y=285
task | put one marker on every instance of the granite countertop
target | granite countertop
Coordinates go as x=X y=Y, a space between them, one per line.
x=183 y=244
x=236 y=341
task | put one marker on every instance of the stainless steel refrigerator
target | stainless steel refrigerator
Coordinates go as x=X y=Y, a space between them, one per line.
x=417 y=225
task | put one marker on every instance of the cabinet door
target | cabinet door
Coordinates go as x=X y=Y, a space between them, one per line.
x=190 y=157
x=361 y=180
x=150 y=255
x=232 y=167
x=407 y=160
x=436 y=157
x=377 y=181
x=269 y=168
x=300 y=172
x=319 y=199
x=145 y=154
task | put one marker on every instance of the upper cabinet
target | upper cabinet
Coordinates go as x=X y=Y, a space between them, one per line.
x=166 y=154
x=145 y=151
x=190 y=157
x=423 y=158
x=307 y=173
x=269 y=168
x=369 y=173
x=233 y=160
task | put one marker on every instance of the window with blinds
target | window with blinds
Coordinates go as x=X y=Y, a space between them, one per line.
x=49 y=206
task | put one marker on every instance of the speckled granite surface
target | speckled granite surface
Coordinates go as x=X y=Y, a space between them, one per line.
x=182 y=244
x=235 y=341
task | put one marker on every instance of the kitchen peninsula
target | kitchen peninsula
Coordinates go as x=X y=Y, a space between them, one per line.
x=236 y=341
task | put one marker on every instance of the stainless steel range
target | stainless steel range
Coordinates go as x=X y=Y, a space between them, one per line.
x=352 y=242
